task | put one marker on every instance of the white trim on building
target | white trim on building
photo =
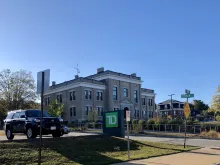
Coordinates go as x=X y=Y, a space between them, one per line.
x=75 y=85
x=114 y=77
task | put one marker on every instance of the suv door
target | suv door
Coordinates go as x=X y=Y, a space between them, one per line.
x=14 y=122
x=21 y=122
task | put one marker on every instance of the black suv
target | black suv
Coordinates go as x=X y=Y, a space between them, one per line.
x=28 y=122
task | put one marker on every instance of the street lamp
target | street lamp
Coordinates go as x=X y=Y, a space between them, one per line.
x=172 y=104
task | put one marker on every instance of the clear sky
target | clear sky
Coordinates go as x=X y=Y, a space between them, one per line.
x=171 y=44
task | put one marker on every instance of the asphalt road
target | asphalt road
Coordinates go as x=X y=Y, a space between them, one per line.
x=194 y=142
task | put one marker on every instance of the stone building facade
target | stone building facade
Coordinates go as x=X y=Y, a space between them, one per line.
x=103 y=91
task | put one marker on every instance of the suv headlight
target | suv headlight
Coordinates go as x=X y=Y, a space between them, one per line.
x=37 y=120
x=60 y=119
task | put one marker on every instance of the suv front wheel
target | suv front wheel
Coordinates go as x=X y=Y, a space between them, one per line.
x=31 y=133
x=56 y=134
x=9 y=134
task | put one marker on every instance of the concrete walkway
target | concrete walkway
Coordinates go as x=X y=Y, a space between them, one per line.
x=204 y=156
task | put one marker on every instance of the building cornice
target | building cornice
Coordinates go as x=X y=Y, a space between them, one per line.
x=114 y=77
x=75 y=85
x=148 y=94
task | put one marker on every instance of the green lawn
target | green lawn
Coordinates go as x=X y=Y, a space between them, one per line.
x=91 y=150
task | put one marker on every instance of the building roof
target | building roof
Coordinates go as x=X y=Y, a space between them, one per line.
x=114 y=73
x=147 y=90
x=169 y=101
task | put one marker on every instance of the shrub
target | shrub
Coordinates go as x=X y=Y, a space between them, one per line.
x=150 y=121
x=217 y=118
x=134 y=123
x=210 y=134
x=141 y=125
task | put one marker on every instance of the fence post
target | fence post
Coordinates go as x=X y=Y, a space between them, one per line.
x=153 y=127
x=179 y=128
x=194 y=129
x=210 y=128
x=200 y=129
x=159 y=127
x=165 y=128
x=171 y=127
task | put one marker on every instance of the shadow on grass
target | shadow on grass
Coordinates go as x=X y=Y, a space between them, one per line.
x=89 y=149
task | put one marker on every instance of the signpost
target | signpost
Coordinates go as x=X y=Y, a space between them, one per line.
x=128 y=118
x=187 y=95
x=43 y=80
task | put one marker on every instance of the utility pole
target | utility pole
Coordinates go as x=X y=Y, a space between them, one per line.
x=171 y=95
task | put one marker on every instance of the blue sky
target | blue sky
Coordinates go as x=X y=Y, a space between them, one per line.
x=171 y=44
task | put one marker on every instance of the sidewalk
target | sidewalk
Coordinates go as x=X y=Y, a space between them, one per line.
x=204 y=156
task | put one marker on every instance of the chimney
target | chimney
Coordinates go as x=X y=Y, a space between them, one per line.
x=100 y=70
x=76 y=76
x=133 y=74
x=53 y=83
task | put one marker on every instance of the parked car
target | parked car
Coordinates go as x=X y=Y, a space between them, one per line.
x=65 y=130
x=28 y=122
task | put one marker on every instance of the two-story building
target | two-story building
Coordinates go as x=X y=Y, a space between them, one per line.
x=103 y=91
x=166 y=109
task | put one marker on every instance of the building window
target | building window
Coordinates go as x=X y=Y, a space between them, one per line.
x=74 y=111
x=59 y=98
x=125 y=92
x=100 y=111
x=99 y=96
x=88 y=95
x=87 y=109
x=71 y=111
x=47 y=101
x=150 y=102
x=115 y=109
x=137 y=113
x=72 y=96
x=143 y=101
x=115 y=97
x=135 y=96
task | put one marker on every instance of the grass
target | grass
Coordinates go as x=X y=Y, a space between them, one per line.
x=91 y=150
x=170 y=134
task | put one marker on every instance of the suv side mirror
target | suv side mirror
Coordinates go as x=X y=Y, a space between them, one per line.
x=22 y=116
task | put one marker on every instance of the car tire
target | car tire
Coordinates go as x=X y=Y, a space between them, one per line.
x=9 y=134
x=56 y=134
x=62 y=132
x=31 y=133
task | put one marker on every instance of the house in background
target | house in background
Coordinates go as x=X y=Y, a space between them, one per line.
x=104 y=91
x=165 y=108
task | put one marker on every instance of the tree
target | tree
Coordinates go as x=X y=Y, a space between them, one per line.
x=215 y=107
x=17 y=88
x=56 y=109
x=93 y=116
x=200 y=105
x=3 y=110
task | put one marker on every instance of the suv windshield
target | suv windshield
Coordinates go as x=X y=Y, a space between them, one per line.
x=36 y=113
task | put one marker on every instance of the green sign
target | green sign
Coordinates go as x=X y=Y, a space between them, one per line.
x=111 y=119
x=187 y=95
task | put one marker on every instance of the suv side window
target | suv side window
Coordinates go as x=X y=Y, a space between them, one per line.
x=21 y=114
x=10 y=116
x=16 y=115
